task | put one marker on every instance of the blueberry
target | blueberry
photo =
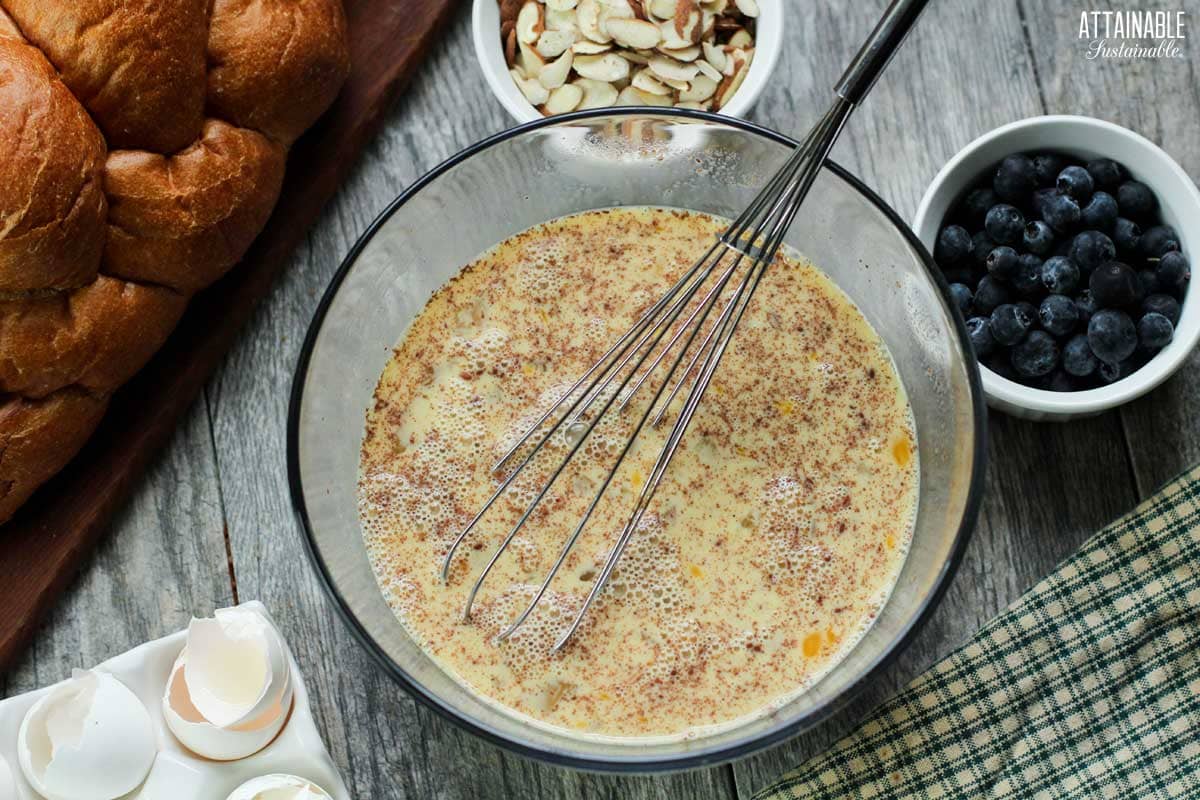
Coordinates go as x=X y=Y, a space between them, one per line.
x=1085 y=304
x=1077 y=182
x=1005 y=224
x=1015 y=178
x=1060 y=211
x=1028 y=278
x=1154 y=331
x=1147 y=282
x=1060 y=275
x=1112 y=336
x=1111 y=373
x=1036 y=355
x=1173 y=273
x=1038 y=200
x=1162 y=304
x=981 y=245
x=979 y=331
x=1158 y=241
x=1057 y=381
x=977 y=203
x=1136 y=200
x=1058 y=314
x=1126 y=234
x=989 y=294
x=1002 y=366
x=1114 y=284
x=1010 y=324
x=1105 y=172
x=1038 y=238
x=1100 y=212
x=1077 y=356
x=1046 y=167
x=953 y=245
x=961 y=274
x=1028 y=308
x=962 y=296
x=1003 y=262
x=1090 y=249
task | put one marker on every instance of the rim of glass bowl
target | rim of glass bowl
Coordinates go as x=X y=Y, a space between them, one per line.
x=701 y=756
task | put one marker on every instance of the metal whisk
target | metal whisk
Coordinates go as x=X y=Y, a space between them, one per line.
x=738 y=258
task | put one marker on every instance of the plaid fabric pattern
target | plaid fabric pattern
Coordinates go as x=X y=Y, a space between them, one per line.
x=1088 y=686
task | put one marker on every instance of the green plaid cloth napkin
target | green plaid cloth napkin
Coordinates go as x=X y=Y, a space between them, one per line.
x=1088 y=686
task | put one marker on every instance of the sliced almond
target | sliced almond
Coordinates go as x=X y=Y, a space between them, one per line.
x=509 y=9
x=529 y=22
x=662 y=9
x=671 y=39
x=560 y=20
x=748 y=8
x=534 y=92
x=741 y=39
x=587 y=14
x=555 y=73
x=674 y=84
x=586 y=47
x=682 y=54
x=528 y=60
x=669 y=68
x=633 y=33
x=709 y=70
x=730 y=85
x=734 y=58
x=605 y=67
x=596 y=94
x=708 y=23
x=714 y=55
x=510 y=47
x=694 y=105
x=687 y=20
x=629 y=96
x=563 y=99
x=715 y=7
x=648 y=99
x=646 y=82
x=634 y=57
x=561 y=5
x=702 y=88
x=552 y=44
x=616 y=9
x=639 y=10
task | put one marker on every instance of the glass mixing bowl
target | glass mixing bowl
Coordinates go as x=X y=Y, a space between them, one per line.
x=599 y=159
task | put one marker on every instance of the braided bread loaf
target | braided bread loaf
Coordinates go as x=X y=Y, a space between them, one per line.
x=144 y=148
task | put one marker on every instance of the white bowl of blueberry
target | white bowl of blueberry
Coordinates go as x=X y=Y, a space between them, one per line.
x=1067 y=242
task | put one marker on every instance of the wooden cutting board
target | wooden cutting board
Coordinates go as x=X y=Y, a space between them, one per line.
x=42 y=546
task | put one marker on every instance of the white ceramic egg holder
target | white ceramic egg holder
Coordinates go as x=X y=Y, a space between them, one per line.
x=179 y=774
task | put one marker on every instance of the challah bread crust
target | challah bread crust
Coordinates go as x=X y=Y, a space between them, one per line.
x=95 y=337
x=144 y=149
x=183 y=220
x=275 y=64
x=51 y=206
x=137 y=66
x=39 y=437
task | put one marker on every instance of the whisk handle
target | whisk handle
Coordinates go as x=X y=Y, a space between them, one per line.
x=875 y=53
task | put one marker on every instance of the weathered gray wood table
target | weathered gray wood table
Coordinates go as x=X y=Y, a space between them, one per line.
x=212 y=523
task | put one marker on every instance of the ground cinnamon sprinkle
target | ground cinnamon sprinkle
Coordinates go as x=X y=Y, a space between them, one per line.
x=775 y=538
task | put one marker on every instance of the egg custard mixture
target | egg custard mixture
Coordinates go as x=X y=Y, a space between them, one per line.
x=775 y=538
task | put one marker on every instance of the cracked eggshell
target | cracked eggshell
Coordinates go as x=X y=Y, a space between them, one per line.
x=279 y=787
x=90 y=738
x=220 y=744
x=236 y=669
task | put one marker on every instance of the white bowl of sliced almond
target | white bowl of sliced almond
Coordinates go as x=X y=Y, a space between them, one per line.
x=545 y=57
